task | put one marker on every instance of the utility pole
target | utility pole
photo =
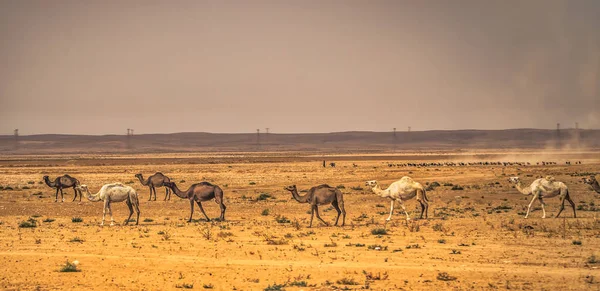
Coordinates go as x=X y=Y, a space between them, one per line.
x=266 y=135
x=16 y=139
x=258 y=138
x=129 y=136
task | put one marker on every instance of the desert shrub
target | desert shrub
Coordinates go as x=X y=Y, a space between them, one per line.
x=29 y=223
x=275 y=287
x=281 y=219
x=341 y=186
x=49 y=220
x=377 y=248
x=379 y=231
x=448 y=184
x=148 y=220
x=265 y=212
x=252 y=183
x=208 y=286
x=457 y=188
x=443 y=276
x=577 y=242
x=77 y=240
x=357 y=188
x=441 y=241
x=263 y=196
x=69 y=267
x=76 y=219
x=346 y=281
x=185 y=286
x=438 y=227
x=299 y=284
x=592 y=259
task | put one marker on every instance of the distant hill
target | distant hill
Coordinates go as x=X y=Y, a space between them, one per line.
x=319 y=142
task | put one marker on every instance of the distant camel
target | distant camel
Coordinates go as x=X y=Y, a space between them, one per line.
x=321 y=195
x=115 y=192
x=592 y=181
x=402 y=190
x=544 y=188
x=156 y=180
x=332 y=165
x=61 y=183
x=199 y=192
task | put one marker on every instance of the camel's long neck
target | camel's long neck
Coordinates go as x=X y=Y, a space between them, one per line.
x=50 y=184
x=297 y=197
x=596 y=186
x=377 y=190
x=524 y=191
x=144 y=182
x=93 y=197
x=179 y=193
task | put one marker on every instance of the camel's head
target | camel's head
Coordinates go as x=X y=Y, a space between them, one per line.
x=82 y=188
x=290 y=188
x=371 y=183
x=514 y=180
x=46 y=178
x=138 y=175
x=590 y=180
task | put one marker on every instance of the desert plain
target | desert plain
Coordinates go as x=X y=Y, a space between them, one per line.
x=475 y=236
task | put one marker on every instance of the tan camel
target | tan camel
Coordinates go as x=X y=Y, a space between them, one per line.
x=115 y=192
x=156 y=180
x=402 y=190
x=321 y=195
x=593 y=181
x=199 y=192
x=544 y=188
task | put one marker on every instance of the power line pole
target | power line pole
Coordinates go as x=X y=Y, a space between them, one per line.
x=129 y=136
x=258 y=138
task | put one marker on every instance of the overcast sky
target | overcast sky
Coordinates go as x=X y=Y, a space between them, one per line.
x=99 y=67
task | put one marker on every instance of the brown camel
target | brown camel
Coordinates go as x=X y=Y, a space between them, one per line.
x=321 y=195
x=199 y=192
x=592 y=181
x=61 y=183
x=156 y=180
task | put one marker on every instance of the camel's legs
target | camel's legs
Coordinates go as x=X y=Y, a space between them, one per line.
x=112 y=219
x=543 y=206
x=150 y=189
x=75 y=192
x=191 y=210
x=104 y=211
x=535 y=196
x=154 y=189
x=404 y=208
x=62 y=195
x=136 y=203
x=223 y=207
x=319 y=216
x=56 y=199
x=128 y=202
x=391 y=210
x=422 y=208
x=562 y=206
x=337 y=208
x=167 y=194
x=202 y=209
x=312 y=214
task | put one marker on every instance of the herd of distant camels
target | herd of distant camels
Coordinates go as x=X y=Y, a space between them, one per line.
x=402 y=190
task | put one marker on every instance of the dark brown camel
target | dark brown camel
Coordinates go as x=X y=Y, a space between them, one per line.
x=199 y=192
x=156 y=180
x=61 y=183
x=592 y=182
x=321 y=195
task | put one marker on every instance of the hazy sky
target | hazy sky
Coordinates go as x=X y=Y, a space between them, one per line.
x=98 y=67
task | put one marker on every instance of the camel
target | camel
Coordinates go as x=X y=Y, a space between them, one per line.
x=199 y=192
x=115 y=192
x=544 y=188
x=156 y=180
x=321 y=195
x=592 y=181
x=402 y=190
x=62 y=182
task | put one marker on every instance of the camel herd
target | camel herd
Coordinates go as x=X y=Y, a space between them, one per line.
x=402 y=190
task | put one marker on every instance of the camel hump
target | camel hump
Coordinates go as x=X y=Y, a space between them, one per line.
x=204 y=183
x=550 y=178
x=322 y=186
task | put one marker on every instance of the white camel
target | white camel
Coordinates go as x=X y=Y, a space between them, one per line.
x=402 y=190
x=115 y=192
x=544 y=188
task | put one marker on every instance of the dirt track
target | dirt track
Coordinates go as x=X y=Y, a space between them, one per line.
x=481 y=239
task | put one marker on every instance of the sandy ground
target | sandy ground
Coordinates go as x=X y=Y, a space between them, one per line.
x=478 y=241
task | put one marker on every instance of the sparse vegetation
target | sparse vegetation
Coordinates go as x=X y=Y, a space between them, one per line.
x=265 y=212
x=76 y=240
x=30 y=223
x=347 y=281
x=76 y=219
x=264 y=196
x=69 y=267
x=282 y=219
x=379 y=231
